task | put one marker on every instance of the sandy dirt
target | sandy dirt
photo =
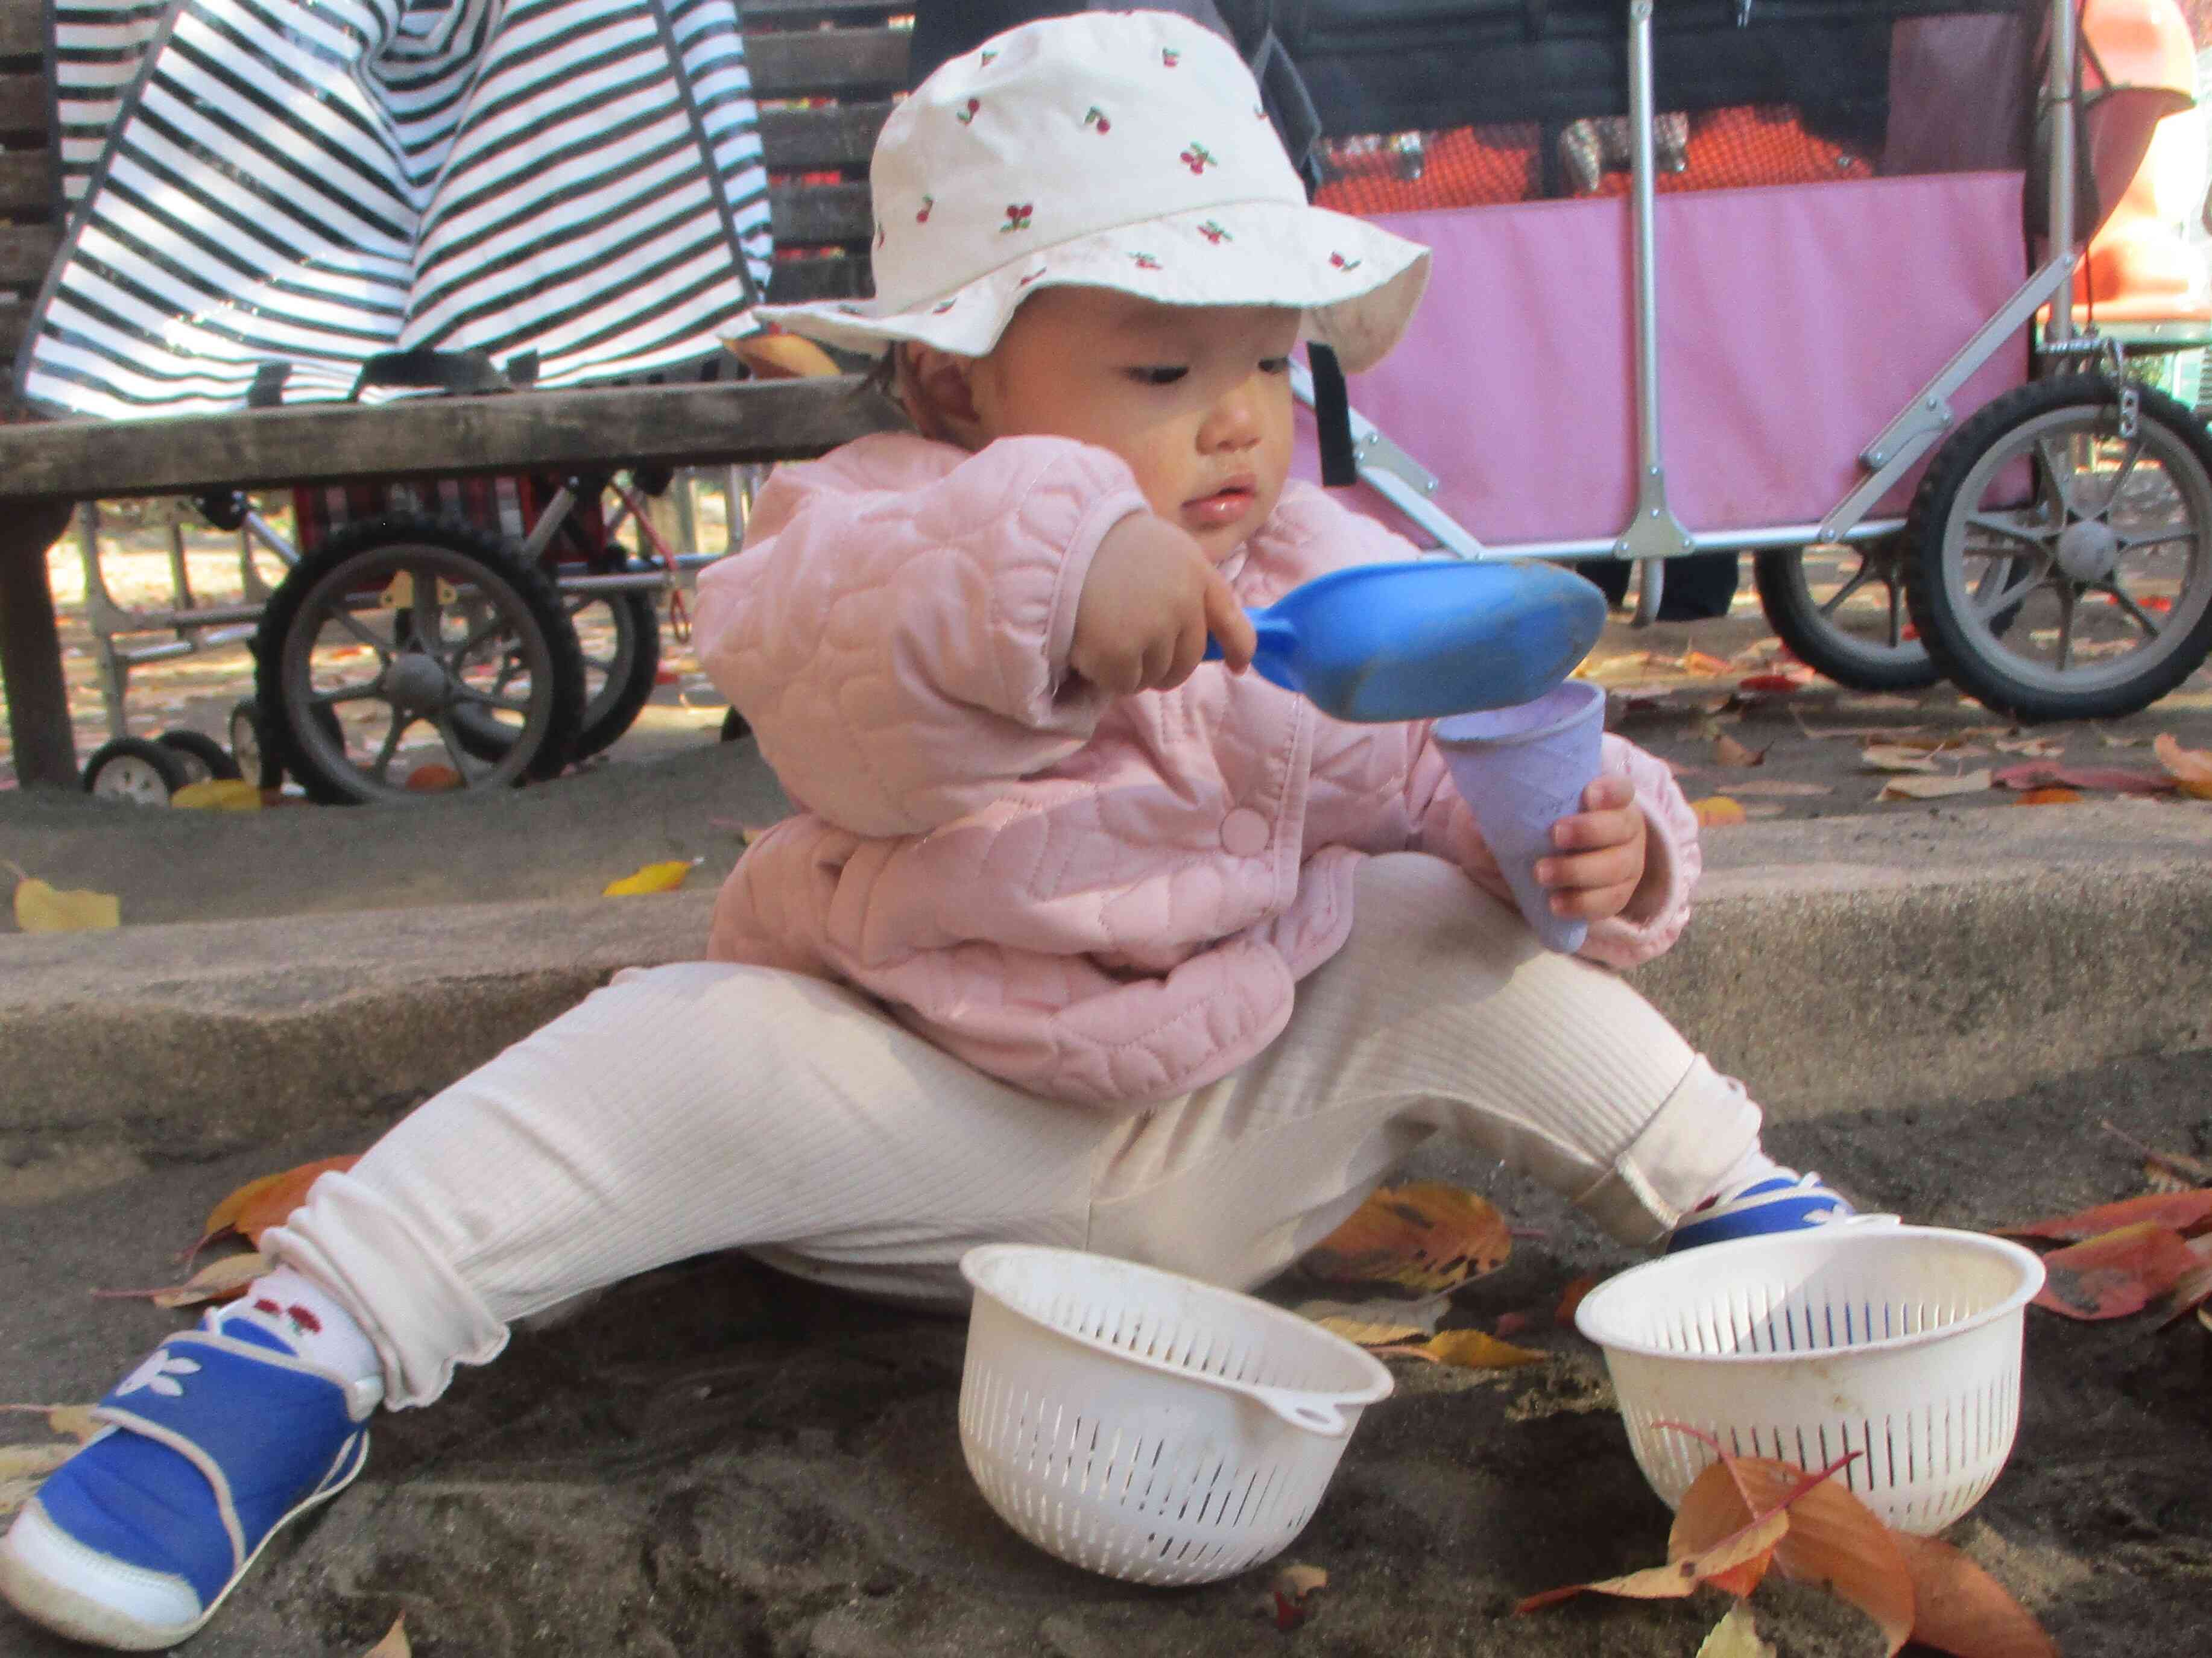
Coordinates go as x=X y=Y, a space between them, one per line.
x=717 y=1460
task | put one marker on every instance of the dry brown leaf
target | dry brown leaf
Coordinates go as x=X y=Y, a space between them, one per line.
x=1718 y=812
x=1932 y=788
x=2193 y=1288
x=1289 y=1597
x=259 y=1205
x=1469 y=1349
x=1425 y=1237
x=75 y=1420
x=1960 y=1609
x=1704 y=666
x=2035 y=748
x=2113 y=742
x=1377 y=1323
x=1727 y=751
x=2171 y=1171
x=395 y=1643
x=1889 y=756
x=433 y=777
x=219 y=1280
x=1678 y=1578
x=1736 y=1636
x=2050 y=797
x=2190 y=768
x=1855 y=733
x=1835 y=1540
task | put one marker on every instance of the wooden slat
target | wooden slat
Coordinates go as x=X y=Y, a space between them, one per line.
x=24 y=107
x=695 y=424
x=840 y=134
x=23 y=28
x=807 y=215
x=796 y=281
x=27 y=181
x=26 y=250
x=820 y=63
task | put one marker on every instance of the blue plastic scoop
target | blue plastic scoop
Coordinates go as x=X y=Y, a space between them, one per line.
x=1427 y=637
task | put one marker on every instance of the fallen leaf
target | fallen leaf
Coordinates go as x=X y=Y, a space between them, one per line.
x=2174 y=1166
x=1891 y=734
x=2036 y=748
x=1289 y=1597
x=259 y=1205
x=1727 y=751
x=1572 y=1298
x=219 y=1280
x=41 y=908
x=2119 y=780
x=2182 y=1211
x=1930 y=788
x=75 y=1420
x=1960 y=1609
x=1769 y=685
x=2050 y=798
x=218 y=794
x=24 y=1469
x=2113 y=742
x=1735 y=1636
x=395 y=1643
x=1468 y=1349
x=1378 y=1322
x=1425 y=1237
x=2193 y=1288
x=1880 y=757
x=1776 y=788
x=1678 y=1578
x=1835 y=1540
x=1697 y=663
x=653 y=878
x=2189 y=767
x=2119 y=1272
x=1717 y=811
x=433 y=777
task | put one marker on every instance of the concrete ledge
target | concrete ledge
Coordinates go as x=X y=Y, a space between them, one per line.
x=1832 y=965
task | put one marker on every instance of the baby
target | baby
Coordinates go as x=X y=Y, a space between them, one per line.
x=1073 y=939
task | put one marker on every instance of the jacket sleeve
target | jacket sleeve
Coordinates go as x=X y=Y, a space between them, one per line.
x=1443 y=824
x=899 y=643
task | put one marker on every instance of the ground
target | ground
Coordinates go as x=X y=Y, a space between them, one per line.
x=718 y=1460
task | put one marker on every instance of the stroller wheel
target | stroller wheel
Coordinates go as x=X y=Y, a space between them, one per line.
x=371 y=645
x=203 y=757
x=133 y=769
x=1842 y=610
x=2061 y=564
x=620 y=636
x=734 y=726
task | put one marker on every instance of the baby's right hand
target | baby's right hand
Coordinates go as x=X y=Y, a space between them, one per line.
x=1149 y=602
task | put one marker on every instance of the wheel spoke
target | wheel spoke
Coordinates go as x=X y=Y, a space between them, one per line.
x=2003 y=591
x=344 y=619
x=2135 y=611
x=2055 y=475
x=476 y=636
x=380 y=769
x=1999 y=524
x=2129 y=543
x=2120 y=478
x=343 y=693
x=1865 y=574
x=452 y=741
x=2067 y=606
x=424 y=605
x=470 y=694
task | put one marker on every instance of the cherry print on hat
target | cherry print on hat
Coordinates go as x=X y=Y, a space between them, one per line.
x=1054 y=89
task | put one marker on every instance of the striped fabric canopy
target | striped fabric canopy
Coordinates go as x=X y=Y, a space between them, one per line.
x=303 y=186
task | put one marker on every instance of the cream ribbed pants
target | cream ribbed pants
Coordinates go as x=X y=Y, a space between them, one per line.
x=705 y=1106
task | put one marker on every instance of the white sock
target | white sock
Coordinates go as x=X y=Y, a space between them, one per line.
x=1752 y=1165
x=302 y=1315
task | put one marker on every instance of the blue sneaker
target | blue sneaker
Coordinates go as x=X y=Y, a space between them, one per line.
x=1784 y=1202
x=219 y=1438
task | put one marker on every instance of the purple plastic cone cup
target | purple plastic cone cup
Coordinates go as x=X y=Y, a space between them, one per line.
x=1522 y=769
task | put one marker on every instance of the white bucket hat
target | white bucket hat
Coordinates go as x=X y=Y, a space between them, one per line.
x=1126 y=150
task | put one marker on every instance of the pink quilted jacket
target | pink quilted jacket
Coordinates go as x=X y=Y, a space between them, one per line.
x=1098 y=899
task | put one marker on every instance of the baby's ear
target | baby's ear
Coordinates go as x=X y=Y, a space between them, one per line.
x=938 y=390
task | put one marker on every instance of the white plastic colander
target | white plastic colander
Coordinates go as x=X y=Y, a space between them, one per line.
x=1900 y=1343
x=1146 y=1425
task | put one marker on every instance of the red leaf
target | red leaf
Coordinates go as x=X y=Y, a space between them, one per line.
x=2046 y=774
x=2182 y=1211
x=2119 y=1272
x=1772 y=683
x=1572 y=1298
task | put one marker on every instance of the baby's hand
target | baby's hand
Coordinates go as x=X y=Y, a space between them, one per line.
x=1147 y=605
x=1603 y=866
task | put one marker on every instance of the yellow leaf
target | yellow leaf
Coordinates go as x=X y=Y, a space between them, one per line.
x=654 y=877
x=24 y=1469
x=1716 y=810
x=219 y=1280
x=1425 y=1237
x=1736 y=1636
x=395 y=1643
x=1895 y=757
x=219 y=794
x=1704 y=666
x=1929 y=788
x=259 y=1205
x=1379 y=1322
x=1472 y=1350
x=41 y=908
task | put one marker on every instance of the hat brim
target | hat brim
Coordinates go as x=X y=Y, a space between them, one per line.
x=1355 y=283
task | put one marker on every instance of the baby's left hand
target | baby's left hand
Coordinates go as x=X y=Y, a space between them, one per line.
x=1602 y=862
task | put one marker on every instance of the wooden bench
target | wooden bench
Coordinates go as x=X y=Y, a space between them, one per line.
x=844 y=58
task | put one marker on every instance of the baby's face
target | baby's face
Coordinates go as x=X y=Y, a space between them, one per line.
x=1196 y=398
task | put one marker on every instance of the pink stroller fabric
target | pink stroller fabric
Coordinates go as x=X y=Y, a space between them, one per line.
x=1796 y=321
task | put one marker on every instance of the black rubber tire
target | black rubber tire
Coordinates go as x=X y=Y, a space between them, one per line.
x=613 y=709
x=497 y=563
x=261 y=758
x=204 y=751
x=1778 y=572
x=1951 y=644
x=165 y=763
x=735 y=725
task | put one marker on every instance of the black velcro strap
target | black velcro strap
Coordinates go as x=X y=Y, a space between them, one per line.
x=1332 y=418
